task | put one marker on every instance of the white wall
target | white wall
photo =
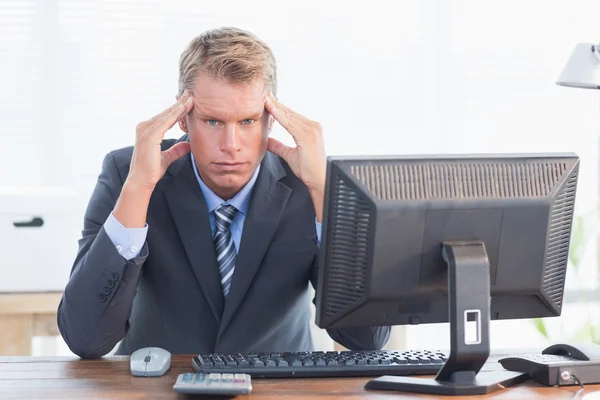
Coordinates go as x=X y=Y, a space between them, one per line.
x=382 y=76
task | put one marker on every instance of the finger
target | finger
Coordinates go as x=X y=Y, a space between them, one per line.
x=288 y=118
x=175 y=152
x=279 y=149
x=166 y=122
x=184 y=97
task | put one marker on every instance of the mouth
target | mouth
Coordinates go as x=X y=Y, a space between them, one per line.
x=229 y=166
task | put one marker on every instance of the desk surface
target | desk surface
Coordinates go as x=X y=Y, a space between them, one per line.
x=70 y=378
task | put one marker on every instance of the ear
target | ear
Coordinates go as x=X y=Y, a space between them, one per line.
x=271 y=122
x=183 y=124
x=182 y=121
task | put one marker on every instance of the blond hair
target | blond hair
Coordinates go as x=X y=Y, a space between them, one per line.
x=230 y=54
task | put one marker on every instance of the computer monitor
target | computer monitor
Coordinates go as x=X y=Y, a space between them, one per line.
x=459 y=239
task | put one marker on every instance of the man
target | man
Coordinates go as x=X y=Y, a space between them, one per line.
x=208 y=243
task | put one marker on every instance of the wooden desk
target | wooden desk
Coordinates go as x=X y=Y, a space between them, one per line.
x=70 y=378
x=23 y=316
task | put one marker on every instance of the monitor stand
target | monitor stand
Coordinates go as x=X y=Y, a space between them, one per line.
x=469 y=303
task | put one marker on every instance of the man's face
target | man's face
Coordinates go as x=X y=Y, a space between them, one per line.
x=228 y=129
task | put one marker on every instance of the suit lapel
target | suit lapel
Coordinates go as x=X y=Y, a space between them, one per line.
x=267 y=204
x=190 y=213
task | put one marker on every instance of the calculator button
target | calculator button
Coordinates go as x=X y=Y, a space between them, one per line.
x=240 y=378
x=228 y=378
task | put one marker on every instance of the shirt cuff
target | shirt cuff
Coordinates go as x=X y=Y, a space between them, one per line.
x=318 y=227
x=127 y=241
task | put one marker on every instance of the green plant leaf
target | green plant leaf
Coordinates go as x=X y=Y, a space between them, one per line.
x=540 y=325
x=578 y=240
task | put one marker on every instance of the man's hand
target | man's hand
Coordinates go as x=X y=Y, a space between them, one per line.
x=307 y=160
x=149 y=163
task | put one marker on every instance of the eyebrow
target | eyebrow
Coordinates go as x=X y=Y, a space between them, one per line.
x=256 y=115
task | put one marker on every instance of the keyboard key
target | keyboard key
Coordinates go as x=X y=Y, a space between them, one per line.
x=257 y=362
x=308 y=363
x=217 y=362
x=229 y=360
x=204 y=362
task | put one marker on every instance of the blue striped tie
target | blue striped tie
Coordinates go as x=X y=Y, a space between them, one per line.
x=224 y=245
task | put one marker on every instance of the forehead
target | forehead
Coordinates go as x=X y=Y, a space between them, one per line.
x=224 y=100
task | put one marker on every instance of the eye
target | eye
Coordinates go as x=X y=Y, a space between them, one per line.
x=212 y=122
x=247 y=121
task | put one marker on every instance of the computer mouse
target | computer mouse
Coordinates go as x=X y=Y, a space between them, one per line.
x=150 y=361
x=579 y=351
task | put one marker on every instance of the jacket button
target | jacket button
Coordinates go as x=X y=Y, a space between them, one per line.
x=102 y=297
x=115 y=276
x=111 y=284
x=106 y=290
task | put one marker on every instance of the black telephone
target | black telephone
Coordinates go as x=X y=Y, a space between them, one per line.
x=559 y=364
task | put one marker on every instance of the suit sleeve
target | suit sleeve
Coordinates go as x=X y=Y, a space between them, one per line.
x=366 y=338
x=93 y=315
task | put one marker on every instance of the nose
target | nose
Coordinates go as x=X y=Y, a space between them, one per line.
x=231 y=140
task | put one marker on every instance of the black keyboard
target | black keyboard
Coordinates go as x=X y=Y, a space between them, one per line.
x=323 y=364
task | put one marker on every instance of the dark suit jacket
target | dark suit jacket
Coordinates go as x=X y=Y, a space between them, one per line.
x=170 y=296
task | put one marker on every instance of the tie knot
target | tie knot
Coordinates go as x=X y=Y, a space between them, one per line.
x=224 y=215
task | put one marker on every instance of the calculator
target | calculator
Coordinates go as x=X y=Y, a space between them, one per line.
x=213 y=383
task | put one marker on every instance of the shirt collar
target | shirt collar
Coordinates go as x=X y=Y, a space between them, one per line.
x=241 y=201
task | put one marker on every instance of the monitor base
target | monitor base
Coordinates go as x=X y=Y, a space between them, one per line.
x=469 y=312
x=485 y=382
